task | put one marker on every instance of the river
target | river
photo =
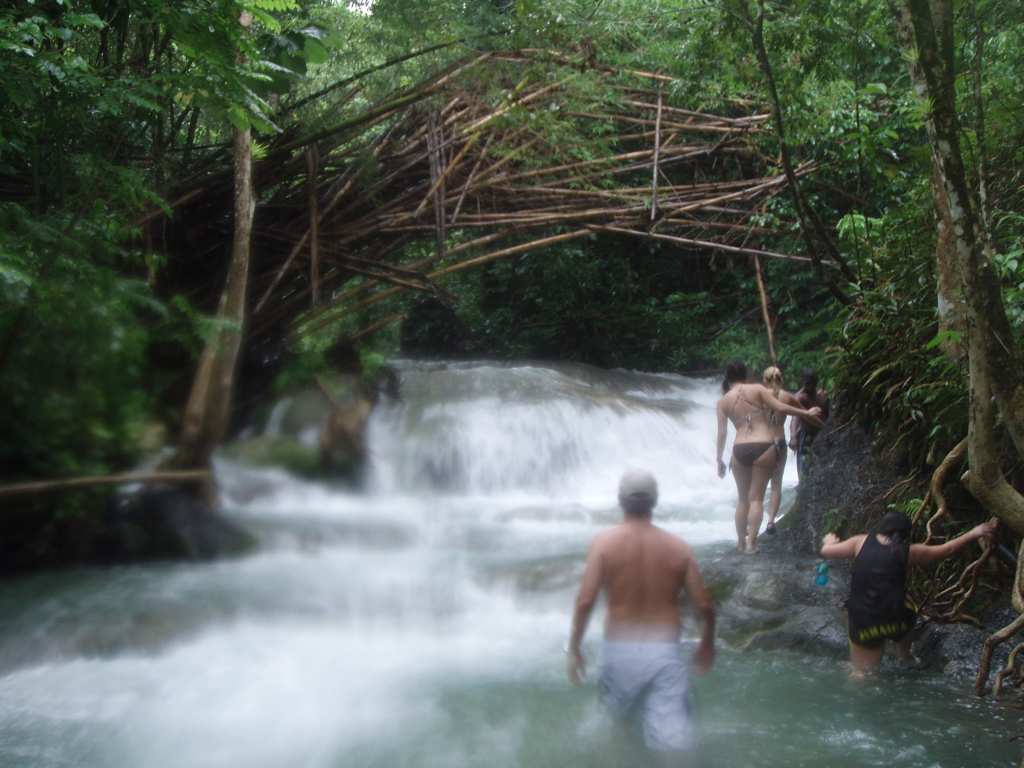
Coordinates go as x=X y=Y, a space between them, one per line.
x=419 y=624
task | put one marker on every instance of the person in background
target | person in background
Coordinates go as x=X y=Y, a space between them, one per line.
x=803 y=430
x=754 y=455
x=643 y=570
x=772 y=378
x=878 y=608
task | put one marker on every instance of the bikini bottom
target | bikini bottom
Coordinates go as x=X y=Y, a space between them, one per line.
x=746 y=454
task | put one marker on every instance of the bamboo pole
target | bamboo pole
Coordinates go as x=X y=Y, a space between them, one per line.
x=19 y=490
x=480 y=260
x=769 y=327
x=657 y=151
x=314 y=256
x=370 y=284
x=469 y=179
x=702 y=243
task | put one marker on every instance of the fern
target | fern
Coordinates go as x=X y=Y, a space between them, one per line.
x=277 y=6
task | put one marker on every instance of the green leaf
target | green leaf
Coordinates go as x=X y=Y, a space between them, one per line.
x=314 y=52
x=238 y=118
x=943 y=337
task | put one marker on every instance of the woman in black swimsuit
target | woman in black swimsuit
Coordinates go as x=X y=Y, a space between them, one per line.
x=878 y=608
x=748 y=407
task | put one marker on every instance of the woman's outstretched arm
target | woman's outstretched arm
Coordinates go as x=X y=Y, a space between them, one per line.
x=929 y=554
x=776 y=404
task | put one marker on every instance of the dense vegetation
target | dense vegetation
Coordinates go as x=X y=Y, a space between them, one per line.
x=113 y=112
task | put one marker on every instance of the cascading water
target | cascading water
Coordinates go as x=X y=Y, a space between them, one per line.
x=420 y=623
x=508 y=434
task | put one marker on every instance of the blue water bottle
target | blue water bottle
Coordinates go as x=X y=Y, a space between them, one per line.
x=821 y=578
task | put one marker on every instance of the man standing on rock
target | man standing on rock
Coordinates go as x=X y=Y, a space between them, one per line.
x=803 y=431
x=642 y=570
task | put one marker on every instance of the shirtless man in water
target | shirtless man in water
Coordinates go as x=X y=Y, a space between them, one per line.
x=643 y=570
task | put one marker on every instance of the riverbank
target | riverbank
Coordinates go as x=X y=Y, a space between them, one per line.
x=770 y=600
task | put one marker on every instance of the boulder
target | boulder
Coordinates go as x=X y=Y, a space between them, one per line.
x=770 y=601
x=846 y=485
x=164 y=524
x=284 y=451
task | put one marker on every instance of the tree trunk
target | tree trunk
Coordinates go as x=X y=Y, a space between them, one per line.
x=804 y=215
x=947 y=273
x=206 y=414
x=995 y=369
x=949 y=292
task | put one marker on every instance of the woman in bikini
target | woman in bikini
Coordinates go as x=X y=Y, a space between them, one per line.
x=748 y=407
x=772 y=377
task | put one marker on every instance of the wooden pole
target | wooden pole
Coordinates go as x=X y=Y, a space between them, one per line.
x=16 y=490
x=314 y=235
x=764 y=309
x=657 y=153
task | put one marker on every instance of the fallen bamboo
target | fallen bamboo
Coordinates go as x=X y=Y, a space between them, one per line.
x=478 y=261
x=370 y=284
x=769 y=327
x=657 y=154
x=489 y=173
x=18 y=490
x=314 y=275
x=705 y=244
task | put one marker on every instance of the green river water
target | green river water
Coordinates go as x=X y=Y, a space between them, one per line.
x=420 y=624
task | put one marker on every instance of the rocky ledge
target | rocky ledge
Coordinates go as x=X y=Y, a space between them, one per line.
x=770 y=600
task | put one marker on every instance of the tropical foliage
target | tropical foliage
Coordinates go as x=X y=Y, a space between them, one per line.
x=112 y=113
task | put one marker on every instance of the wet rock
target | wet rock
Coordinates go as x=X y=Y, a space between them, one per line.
x=956 y=649
x=319 y=432
x=283 y=451
x=770 y=601
x=845 y=486
x=342 y=440
x=163 y=524
x=953 y=648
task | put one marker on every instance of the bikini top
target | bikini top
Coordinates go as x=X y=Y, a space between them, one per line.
x=745 y=417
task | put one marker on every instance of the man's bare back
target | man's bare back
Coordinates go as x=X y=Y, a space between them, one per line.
x=643 y=570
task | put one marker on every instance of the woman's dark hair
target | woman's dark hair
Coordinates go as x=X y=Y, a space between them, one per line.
x=734 y=371
x=896 y=526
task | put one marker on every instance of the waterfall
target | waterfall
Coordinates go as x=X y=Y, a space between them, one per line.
x=559 y=432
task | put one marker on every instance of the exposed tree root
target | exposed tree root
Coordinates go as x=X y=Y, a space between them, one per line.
x=1011 y=663
x=1003 y=634
x=952 y=461
x=924 y=505
x=986 y=654
x=961 y=595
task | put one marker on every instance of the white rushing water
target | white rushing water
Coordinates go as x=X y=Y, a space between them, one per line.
x=420 y=623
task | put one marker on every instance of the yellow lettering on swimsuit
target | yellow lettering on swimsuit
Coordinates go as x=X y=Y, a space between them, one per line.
x=884 y=630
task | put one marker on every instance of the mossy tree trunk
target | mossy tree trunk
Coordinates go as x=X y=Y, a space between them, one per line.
x=207 y=412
